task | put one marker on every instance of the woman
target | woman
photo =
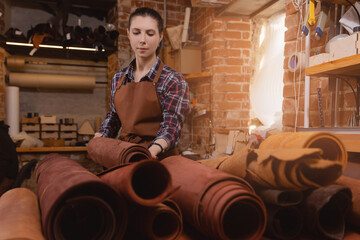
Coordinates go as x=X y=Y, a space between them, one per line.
x=148 y=99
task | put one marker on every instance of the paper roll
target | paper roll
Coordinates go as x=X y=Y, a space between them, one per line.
x=296 y=62
x=28 y=80
x=15 y=62
x=12 y=109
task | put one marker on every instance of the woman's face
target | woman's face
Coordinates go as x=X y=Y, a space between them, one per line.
x=144 y=36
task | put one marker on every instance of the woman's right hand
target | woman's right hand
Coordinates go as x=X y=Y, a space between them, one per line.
x=98 y=135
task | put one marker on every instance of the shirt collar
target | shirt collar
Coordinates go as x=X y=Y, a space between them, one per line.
x=150 y=75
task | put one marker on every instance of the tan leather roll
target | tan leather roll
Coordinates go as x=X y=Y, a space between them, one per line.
x=20 y=215
x=331 y=146
x=297 y=169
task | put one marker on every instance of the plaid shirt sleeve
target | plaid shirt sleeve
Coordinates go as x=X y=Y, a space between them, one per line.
x=174 y=101
x=111 y=125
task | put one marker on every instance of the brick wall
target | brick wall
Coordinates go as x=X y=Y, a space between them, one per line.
x=226 y=52
x=345 y=97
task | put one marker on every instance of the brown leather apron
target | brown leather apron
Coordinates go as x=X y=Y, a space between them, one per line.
x=139 y=110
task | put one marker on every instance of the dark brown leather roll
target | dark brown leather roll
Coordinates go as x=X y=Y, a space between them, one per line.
x=283 y=222
x=354 y=185
x=280 y=197
x=324 y=210
x=146 y=183
x=159 y=222
x=20 y=215
x=110 y=152
x=219 y=205
x=76 y=204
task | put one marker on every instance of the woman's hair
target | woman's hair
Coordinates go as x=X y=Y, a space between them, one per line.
x=145 y=11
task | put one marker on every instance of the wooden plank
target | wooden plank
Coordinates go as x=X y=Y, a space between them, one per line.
x=197 y=75
x=342 y=2
x=50 y=149
x=348 y=66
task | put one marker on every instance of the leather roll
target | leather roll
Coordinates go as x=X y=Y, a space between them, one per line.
x=76 y=204
x=20 y=215
x=217 y=204
x=283 y=222
x=110 y=152
x=158 y=222
x=286 y=169
x=331 y=146
x=146 y=183
x=354 y=185
x=280 y=197
x=324 y=210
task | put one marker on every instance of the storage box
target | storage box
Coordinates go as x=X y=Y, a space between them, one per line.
x=49 y=127
x=30 y=127
x=186 y=60
x=68 y=127
x=345 y=47
x=319 y=59
x=46 y=135
x=34 y=134
x=68 y=134
x=30 y=120
x=47 y=119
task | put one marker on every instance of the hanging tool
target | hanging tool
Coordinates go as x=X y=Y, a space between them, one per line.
x=309 y=18
x=324 y=12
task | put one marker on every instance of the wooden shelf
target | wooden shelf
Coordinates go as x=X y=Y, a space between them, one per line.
x=50 y=149
x=342 y=2
x=348 y=66
x=191 y=78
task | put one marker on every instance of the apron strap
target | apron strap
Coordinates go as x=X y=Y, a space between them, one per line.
x=158 y=74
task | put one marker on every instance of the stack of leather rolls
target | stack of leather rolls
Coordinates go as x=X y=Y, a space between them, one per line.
x=299 y=177
x=214 y=204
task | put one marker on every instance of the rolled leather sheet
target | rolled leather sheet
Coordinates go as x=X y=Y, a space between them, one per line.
x=324 y=210
x=20 y=215
x=331 y=146
x=354 y=185
x=283 y=222
x=158 y=222
x=146 y=182
x=280 y=197
x=110 y=152
x=76 y=204
x=293 y=169
x=217 y=204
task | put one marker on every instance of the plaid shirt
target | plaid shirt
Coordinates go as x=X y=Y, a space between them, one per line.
x=173 y=92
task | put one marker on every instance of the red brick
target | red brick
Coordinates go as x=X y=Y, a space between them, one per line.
x=246 y=35
x=227 y=69
x=292 y=20
x=228 y=87
x=226 y=53
x=234 y=61
x=245 y=53
x=290 y=9
x=237 y=97
x=227 y=105
x=238 y=26
x=291 y=34
x=239 y=44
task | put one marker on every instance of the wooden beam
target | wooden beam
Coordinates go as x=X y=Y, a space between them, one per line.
x=269 y=4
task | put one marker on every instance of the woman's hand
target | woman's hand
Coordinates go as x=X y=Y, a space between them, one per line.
x=98 y=135
x=157 y=147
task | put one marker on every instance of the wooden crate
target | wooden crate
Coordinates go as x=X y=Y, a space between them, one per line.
x=68 y=135
x=70 y=142
x=47 y=127
x=34 y=134
x=47 y=135
x=34 y=120
x=68 y=127
x=30 y=127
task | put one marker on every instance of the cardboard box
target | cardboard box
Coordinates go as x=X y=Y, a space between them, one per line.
x=186 y=60
x=319 y=59
x=68 y=134
x=34 y=134
x=345 y=47
x=47 y=135
x=30 y=120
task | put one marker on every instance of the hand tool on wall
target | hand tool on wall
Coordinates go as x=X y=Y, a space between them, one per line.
x=309 y=18
x=324 y=12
